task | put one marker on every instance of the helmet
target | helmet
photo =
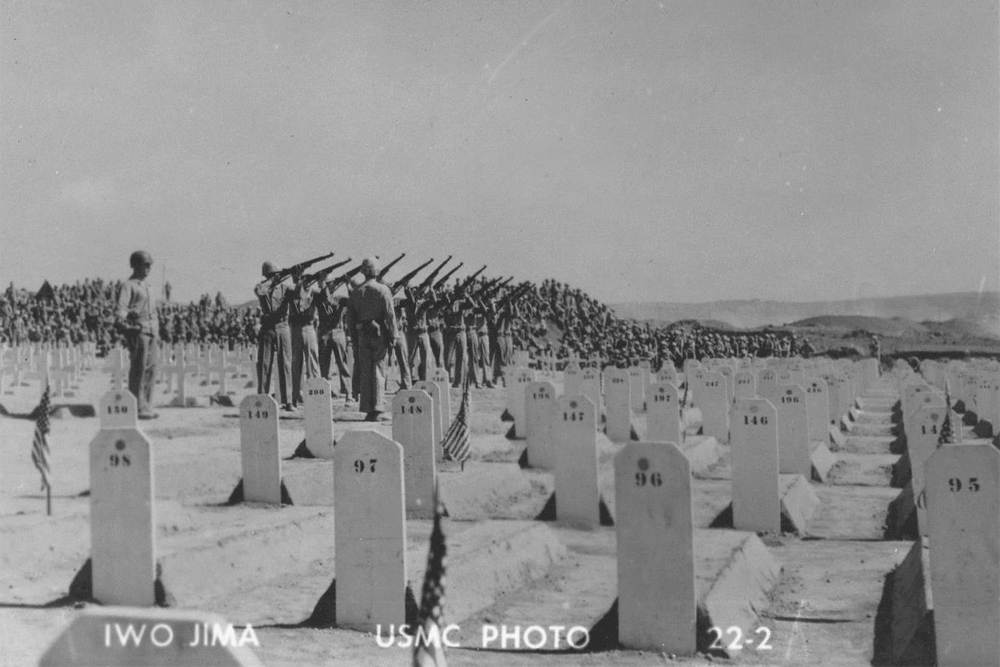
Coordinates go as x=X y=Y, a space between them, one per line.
x=369 y=267
x=139 y=257
x=357 y=281
x=268 y=268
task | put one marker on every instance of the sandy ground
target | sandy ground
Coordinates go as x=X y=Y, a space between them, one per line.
x=269 y=566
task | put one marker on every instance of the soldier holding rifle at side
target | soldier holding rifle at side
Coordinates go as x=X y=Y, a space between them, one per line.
x=136 y=318
x=373 y=333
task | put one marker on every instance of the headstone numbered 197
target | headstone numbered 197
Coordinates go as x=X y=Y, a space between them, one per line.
x=663 y=423
x=121 y=518
x=259 y=455
x=370 y=531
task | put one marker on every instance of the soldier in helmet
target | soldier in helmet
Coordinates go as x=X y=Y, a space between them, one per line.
x=275 y=336
x=136 y=319
x=374 y=333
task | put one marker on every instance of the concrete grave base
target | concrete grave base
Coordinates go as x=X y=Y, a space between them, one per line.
x=702 y=452
x=798 y=504
x=191 y=402
x=901 y=520
x=822 y=460
x=901 y=472
x=837 y=439
x=904 y=625
x=236 y=497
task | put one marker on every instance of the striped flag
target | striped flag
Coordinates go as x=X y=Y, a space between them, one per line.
x=457 y=444
x=40 y=444
x=947 y=435
x=428 y=645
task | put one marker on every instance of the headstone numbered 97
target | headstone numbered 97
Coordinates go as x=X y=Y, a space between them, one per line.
x=413 y=429
x=318 y=417
x=577 y=495
x=540 y=402
x=754 y=440
x=122 y=521
x=963 y=517
x=370 y=531
x=663 y=423
x=655 y=526
x=259 y=455
x=618 y=403
x=118 y=410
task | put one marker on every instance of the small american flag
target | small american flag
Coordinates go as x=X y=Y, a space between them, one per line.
x=457 y=444
x=428 y=647
x=40 y=444
x=947 y=435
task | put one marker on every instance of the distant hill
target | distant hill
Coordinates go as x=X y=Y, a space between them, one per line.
x=971 y=312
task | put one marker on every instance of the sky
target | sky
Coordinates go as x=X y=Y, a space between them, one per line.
x=641 y=151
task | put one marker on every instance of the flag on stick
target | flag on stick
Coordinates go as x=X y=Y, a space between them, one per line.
x=947 y=435
x=40 y=444
x=428 y=645
x=457 y=444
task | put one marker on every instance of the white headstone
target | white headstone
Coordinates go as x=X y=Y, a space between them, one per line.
x=370 y=531
x=118 y=410
x=261 y=460
x=413 y=429
x=793 y=431
x=921 y=443
x=744 y=385
x=540 y=401
x=655 y=526
x=767 y=383
x=618 y=403
x=318 y=411
x=575 y=434
x=668 y=374
x=818 y=408
x=636 y=389
x=663 y=424
x=440 y=377
x=754 y=440
x=572 y=380
x=590 y=386
x=963 y=516
x=515 y=399
x=433 y=389
x=714 y=401
x=122 y=521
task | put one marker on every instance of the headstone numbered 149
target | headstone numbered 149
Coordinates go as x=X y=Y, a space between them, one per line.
x=259 y=455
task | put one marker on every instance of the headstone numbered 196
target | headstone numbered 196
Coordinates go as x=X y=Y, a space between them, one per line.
x=259 y=455
x=370 y=531
x=121 y=518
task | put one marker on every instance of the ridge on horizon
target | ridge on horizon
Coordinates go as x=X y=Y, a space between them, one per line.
x=929 y=295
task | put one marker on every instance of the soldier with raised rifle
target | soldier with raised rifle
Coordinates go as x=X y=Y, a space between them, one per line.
x=275 y=337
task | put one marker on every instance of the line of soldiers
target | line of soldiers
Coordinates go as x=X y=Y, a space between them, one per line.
x=310 y=328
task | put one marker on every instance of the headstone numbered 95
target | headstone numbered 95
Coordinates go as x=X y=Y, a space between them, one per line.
x=370 y=531
x=655 y=526
x=122 y=521
x=754 y=440
x=963 y=517
x=259 y=455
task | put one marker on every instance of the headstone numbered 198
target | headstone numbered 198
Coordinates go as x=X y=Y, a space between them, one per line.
x=370 y=531
x=754 y=440
x=121 y=518
x=259 y=455
x=655 y=527
x=963 y=516
x=618 y=402
x=539 y=408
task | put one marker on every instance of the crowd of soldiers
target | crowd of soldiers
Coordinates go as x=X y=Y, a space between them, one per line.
x=85 y=312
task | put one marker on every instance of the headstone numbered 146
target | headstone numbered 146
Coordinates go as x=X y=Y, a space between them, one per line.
x=754 y=440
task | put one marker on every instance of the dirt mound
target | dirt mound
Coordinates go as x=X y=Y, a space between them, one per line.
x=896 y=326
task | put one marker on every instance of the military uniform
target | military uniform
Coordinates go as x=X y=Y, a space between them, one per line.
x=137 y=318
x=374 y=323
x=275 y=338
x=305 y=346
x=332 y=312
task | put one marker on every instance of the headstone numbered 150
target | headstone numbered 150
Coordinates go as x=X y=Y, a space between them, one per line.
x=118 y=410
x=259 y=455
x=370 y=531
x=121 y=518
x=655 y=526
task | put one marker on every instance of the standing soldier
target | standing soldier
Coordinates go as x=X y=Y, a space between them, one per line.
x=275 y=337
x=399 y=348
x=136 y=319
x=374 y=332
x=332 y=311
x=417 y=339
x=305 y=348
x=455 y=342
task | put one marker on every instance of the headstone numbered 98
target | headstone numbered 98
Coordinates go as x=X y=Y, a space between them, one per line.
x=122 y=521
x=963 y=517
x=754 y=440
x=259 y=455
x=413 y=429
x=618 y=403
x=370 y=531
x=655 y=526
x=318 y=417
x=577 y=494
x=663 y=424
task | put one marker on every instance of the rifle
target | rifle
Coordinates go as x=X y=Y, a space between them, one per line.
x=516 y=294
x=492 y=287
x=405 y=280
x=430 y=278
x=320 y=275
x=344 y=277
x=439 y=284
x=383 y=272
x=278 y=276
x=470 y=280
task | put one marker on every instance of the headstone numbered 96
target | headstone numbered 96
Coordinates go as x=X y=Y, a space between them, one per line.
x=259 y=455
x=370 y=531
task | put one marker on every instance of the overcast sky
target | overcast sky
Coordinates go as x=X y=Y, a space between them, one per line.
x=642 y=151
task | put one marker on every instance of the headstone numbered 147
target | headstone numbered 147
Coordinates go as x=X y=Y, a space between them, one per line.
x=259 y=455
